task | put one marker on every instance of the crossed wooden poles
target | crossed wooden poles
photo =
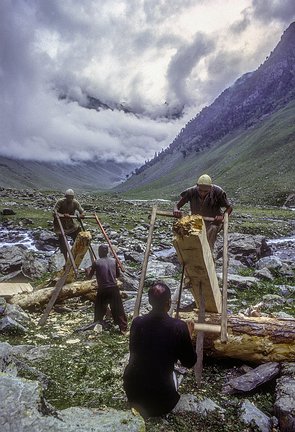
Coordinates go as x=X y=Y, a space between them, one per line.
x=201 y=326
x=71 y=262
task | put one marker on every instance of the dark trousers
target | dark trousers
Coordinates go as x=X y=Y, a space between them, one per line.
x=110 y=296
x=62 y=244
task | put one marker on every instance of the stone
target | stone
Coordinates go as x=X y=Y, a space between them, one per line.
x=286 y=290
x=251 y=416
x=8 y=325
x=252 y=379
x=7 y=364
x=17 y=313
x=132 y=256
x=23 y=408
x=284 y=406
x=271 y=262
x=33 y=265
x=190 y=403
x=264 y=273
x=129 y=283
x=157 y=269
x=8 y=212
x=31 y=352
x=240 y=282
x=271 y=300
x=11 y=258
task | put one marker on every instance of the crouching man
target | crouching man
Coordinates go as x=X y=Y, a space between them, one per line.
x=106 y=270
x=157 y=342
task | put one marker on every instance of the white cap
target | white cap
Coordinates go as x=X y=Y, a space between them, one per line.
x=69 y=192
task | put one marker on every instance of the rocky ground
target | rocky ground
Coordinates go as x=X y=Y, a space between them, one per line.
x=75 y=377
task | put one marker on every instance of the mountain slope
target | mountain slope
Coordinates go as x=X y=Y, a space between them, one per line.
x=229 y=121
x=97 y=175
x=256 y=165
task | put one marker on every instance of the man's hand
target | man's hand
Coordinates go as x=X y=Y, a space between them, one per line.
x=82 y=216
x=67 y=215
x=190 y=325
x=177 y=213
x=218 y=219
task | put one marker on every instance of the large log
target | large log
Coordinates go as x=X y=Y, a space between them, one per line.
x=38 y=299
x=253 y=339
x=193 y=251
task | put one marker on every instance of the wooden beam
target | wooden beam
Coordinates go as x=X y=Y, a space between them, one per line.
x=223 y=335
x=200 y=338
x=145 y=262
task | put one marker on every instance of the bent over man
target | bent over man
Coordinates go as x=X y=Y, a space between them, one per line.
x=66 y=207
x=206 y=199
x=107 y=270
x=157 y=341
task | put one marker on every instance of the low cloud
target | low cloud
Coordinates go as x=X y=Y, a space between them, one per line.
x=145 y=55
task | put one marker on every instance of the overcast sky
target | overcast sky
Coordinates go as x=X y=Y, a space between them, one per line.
x=155 y=56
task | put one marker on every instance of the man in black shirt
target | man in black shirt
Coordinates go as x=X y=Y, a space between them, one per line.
x=206 y=199
x=157 y=342
x=107 y=270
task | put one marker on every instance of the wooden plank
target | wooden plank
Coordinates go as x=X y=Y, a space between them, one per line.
x=179 y=293
x=58 y=286
x=191 y=244
x=223 y=335
x=198 y=368
x=209 y=328
x=9 y=289
x=145 y=262
x=109 y=242
x=66 y=242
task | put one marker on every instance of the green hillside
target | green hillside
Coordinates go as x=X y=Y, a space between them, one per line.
x=253 y=166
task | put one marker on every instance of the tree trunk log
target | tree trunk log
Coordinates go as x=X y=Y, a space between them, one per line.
x=253 y=339
x=40 y=298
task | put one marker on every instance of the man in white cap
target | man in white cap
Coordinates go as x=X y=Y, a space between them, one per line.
x=206 y=199
x=67 y=207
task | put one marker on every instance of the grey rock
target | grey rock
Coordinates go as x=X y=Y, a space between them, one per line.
x=264 y=273
x=11 y=258
x=240 y=282
x=33 y=265
x=251 y=416
x=132 y=256
x=271 y=262
x=157 y=269
x=190 y=403
x=3 y=306
x=7 y=364
x=17 y=313
x=284 y=406
x=22 y=409
x=8 y=325
x=253 y=379
x=89 y=420
x=8 y=212
x=129 y=304
x=129 y=283
x=17 y=276
x=31 y=352
x=286 y=290
x=271 y=300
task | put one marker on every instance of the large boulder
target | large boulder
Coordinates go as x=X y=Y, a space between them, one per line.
x=251 y=416
x=284 y=406
x=159 y=269
x=22 y=408
x=11 y=258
